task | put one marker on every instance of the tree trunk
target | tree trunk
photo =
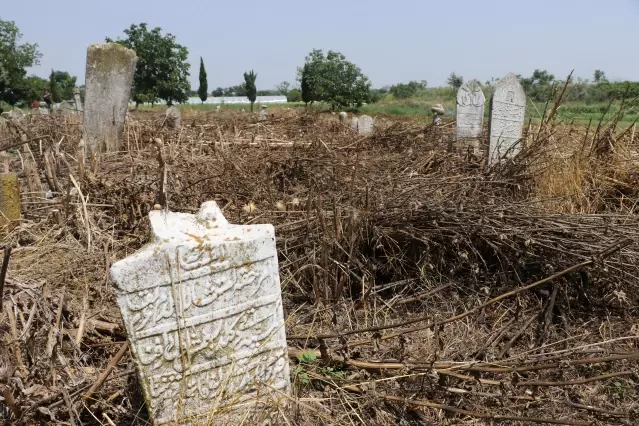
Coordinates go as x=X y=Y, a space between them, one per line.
x=251 y=106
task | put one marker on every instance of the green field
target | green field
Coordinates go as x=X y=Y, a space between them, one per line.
x=420 y=105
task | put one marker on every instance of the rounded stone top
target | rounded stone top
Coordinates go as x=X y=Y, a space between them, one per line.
x=438 y=108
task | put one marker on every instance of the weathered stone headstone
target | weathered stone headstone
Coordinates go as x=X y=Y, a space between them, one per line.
x=66 y=108
x=470 y=111
x=16 y=114
x=343 y=118
x=263 y=115
x=354 y=123
x=507 y=110
x=77 y=100
x=365 y=125
x=109 y=76
x=173 y=117
x=438 y=111
x=203 y=311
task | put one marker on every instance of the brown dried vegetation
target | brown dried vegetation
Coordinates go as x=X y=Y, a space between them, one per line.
x=403 y=264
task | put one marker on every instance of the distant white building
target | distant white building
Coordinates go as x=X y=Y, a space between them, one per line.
x=229 y=100
x=238 y=100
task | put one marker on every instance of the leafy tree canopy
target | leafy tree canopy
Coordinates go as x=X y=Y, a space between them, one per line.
x=455 y=81
x=162 y=70
x=61 y=85
x=407 y=90
x=15 y=58
x=330 y=78
x=283 y=88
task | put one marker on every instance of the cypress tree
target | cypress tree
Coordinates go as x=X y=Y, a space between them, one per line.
x=251 y=89
x=204 y=85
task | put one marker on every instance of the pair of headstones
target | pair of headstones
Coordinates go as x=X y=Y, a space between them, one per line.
x=507 y=110
x=201 y=303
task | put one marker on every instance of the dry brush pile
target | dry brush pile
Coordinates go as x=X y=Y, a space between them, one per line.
x=419 y=287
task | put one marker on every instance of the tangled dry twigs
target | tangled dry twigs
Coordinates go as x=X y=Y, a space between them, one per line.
x=519 y=282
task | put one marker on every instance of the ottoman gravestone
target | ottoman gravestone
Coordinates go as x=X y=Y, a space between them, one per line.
x=203 y=311
x=507 y=110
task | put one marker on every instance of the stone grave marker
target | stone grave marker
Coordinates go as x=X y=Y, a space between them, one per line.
x=203 y=311
x=343 y=118
x=109 y=75
x=365 y=125
x=438 y=112
x=470 y=111
x=77 y=100
x=173 y=117
x=263 y=115
x=507 y=110
x=16 y=114
x=67 y=108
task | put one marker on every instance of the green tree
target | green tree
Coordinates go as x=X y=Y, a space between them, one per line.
x=251 y=89
x=600 y=76
x=204 y=84
x=162 y=70
x=33 y=88
x=455 y=81
x=308 y=95
x=53 y=88
x=218 y=92
x=331 y=78
x=408 y=90
x=61 y=85
x=538 y=86
x=15 y=58
x=283 y=88
x=294 y=95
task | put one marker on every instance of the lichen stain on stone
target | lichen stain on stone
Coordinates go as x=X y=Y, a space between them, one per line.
x=109 y=57
x=9 y=198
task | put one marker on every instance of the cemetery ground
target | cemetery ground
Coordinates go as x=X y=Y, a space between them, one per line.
x=419 y=108
x=419 y=287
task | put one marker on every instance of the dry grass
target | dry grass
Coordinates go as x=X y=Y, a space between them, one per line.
x=383 y=239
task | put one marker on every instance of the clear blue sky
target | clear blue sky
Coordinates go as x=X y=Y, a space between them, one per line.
x=392 y=41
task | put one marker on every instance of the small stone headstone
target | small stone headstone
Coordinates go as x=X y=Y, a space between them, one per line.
x=365 y=125
x=470 y=111
x=77 y=100
x=203 y=311
x=438 y=111
x=66 y=108
x=263 y=115
x=173 y=117
x=109 y=75
x=16 y=114
x=354 y=123
x=507 y=110
x=217 y=108
x=343 y=118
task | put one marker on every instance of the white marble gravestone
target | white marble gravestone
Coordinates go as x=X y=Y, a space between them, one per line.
x=507 y=110
x=109 y=75
x=203 y=312
x=343 y=118
x=364 y=125
x=470 y=111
